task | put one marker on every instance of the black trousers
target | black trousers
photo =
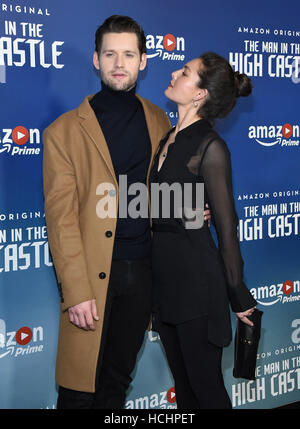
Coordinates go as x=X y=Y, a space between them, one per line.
x=127 y=315
x=195 y=365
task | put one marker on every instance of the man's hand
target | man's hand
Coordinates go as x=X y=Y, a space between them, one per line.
x=83 y=315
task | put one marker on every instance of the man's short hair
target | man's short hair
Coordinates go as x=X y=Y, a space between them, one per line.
x=120 y=24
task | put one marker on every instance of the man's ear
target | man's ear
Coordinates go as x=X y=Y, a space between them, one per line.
x=143 y=62
x=96 y=60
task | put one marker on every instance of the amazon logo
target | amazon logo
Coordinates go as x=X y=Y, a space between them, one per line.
x=167 y=47
x=285 y=135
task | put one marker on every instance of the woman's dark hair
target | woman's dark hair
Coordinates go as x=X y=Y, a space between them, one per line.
x=223 y=86
x=120 y=24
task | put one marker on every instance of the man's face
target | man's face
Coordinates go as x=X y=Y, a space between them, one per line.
x=119 y=60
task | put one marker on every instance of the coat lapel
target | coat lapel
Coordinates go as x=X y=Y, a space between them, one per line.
x=91 y=125
x=151 y=122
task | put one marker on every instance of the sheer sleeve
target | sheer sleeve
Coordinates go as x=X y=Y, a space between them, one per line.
x=216 y=172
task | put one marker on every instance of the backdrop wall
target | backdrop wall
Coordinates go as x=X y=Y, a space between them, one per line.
x=46 y=69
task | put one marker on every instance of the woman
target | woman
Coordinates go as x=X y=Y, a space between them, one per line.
x=194 y=281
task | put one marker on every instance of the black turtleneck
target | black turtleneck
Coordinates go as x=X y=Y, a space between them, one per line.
x=122 y=120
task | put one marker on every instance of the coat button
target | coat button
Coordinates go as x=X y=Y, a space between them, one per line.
x=102 y=276
x=108 y=233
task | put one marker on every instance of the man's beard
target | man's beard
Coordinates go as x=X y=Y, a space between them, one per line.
x=121 y=86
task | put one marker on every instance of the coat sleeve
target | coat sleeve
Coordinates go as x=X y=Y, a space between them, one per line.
x=62 y=219
x=216 y=172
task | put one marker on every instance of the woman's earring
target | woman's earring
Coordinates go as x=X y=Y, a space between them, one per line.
x=195 y=103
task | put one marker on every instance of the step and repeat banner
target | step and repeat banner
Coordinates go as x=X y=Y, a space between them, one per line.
x=46 y=50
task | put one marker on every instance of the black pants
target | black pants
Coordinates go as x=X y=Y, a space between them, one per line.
x=127 y=316
x=195 y=365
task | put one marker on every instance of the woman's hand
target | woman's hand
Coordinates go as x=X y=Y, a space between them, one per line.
x=243 y=316
x=207 y=215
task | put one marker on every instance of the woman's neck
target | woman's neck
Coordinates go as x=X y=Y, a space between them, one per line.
x=186 y=117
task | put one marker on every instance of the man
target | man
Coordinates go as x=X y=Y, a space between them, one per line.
x=102 y=263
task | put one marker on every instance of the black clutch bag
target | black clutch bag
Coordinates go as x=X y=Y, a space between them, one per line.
x=246 y=345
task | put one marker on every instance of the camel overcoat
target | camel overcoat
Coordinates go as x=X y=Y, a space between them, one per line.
x=76 y=161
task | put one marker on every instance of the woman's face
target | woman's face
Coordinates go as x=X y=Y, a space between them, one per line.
x=183 y=88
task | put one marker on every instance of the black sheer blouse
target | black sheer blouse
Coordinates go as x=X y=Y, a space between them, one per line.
x=200 y=155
